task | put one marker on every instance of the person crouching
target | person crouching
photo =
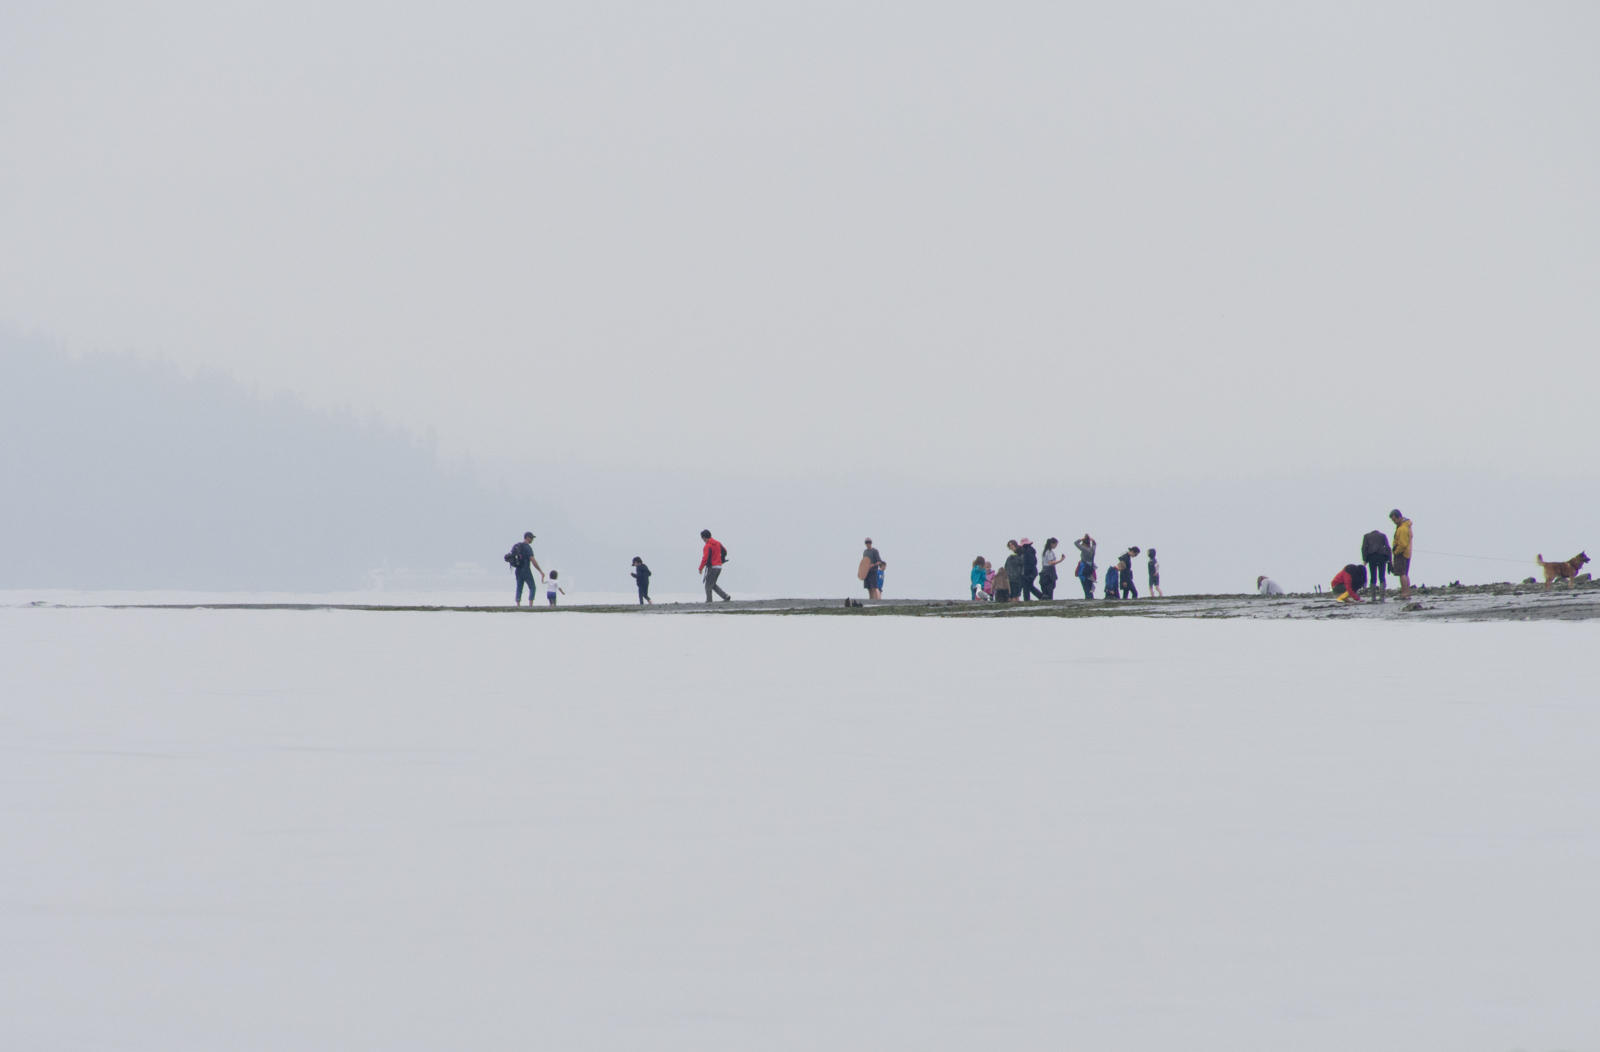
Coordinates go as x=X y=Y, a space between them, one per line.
x=1347 y=583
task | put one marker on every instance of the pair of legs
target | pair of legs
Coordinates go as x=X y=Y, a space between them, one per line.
x=874 y=585
x=712 y=573
x=1088 y=586
x=525 y=577
x=1155 y=587
x=1129 y=589
x=644 y=596
x=1047 y=584
x=1378 y=577
x=1402 y=570
x=1028 y=591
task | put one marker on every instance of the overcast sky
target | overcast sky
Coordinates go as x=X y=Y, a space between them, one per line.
x=983 y=243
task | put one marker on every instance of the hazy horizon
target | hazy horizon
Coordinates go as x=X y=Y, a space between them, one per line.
x=158 y=480
x=1231 y=283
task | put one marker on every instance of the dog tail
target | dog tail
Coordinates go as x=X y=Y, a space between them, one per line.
x=1540 y=558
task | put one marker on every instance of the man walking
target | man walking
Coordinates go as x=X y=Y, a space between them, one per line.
x=521 y=558
x=712 y=556
x=1400 y=551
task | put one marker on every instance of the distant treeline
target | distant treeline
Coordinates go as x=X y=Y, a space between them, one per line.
x=119 y=473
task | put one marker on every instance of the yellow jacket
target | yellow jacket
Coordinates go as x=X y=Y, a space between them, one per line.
x=1402 y=538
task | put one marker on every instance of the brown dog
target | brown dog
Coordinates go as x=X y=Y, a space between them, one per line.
x=1568 y=570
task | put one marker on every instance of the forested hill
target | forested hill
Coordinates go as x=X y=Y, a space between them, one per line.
x=119 y=473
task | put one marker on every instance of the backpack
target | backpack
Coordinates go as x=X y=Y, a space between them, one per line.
x=724 y=548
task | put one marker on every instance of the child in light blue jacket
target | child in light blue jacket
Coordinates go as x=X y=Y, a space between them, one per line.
x=979 y=576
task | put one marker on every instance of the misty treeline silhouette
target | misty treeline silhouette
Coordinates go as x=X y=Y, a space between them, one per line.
x=120 y=473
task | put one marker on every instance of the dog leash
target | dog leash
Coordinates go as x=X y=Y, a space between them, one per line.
x=1486 y=558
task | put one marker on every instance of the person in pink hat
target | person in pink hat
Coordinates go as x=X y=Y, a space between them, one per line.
x=1030 y=571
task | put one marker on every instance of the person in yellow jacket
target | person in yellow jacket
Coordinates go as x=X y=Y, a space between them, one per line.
x=1400 y=551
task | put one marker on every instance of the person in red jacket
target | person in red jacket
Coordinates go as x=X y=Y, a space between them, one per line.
x=712 y=557
x=1347 y=583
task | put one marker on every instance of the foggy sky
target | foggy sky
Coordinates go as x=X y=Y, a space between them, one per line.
x=1043 y=255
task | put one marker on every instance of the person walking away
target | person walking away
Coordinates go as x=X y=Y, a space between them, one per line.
x=641 y=577
x=874 y=564
x=1002 y=584
x=1086 y=568
x=551 y=589
x=1014 y=570
x=1125 y=573
x=979 y=577
x=1375 y=554
x=1267 y=586
x=712 y=556
x=521 y=558
x=1030 y=569
x=1347 y=583
x=1113 y=573
x=1400 y=553
x=1155 y=575
x=1052 y=563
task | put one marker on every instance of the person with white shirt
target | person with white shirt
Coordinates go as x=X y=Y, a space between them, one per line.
x=1052 y=562
x=1267 y=586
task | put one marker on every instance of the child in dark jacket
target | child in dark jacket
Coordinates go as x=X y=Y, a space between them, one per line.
x=1113 y=573
x=641 y=575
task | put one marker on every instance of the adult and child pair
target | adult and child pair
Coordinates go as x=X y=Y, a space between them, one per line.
x=522 y=562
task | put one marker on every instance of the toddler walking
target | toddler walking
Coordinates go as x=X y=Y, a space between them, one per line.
x=641 y=576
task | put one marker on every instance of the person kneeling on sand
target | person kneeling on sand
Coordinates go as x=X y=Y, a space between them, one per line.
x=1347 y=583
x=1267 y=586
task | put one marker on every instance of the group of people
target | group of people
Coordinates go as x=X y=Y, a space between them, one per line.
x=713 y=554
x=1381 y=558
x=1029 y=574
x=1025 y=574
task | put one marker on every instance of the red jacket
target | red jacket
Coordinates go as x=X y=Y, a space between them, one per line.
x=711 y=555
x=1343 y=583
